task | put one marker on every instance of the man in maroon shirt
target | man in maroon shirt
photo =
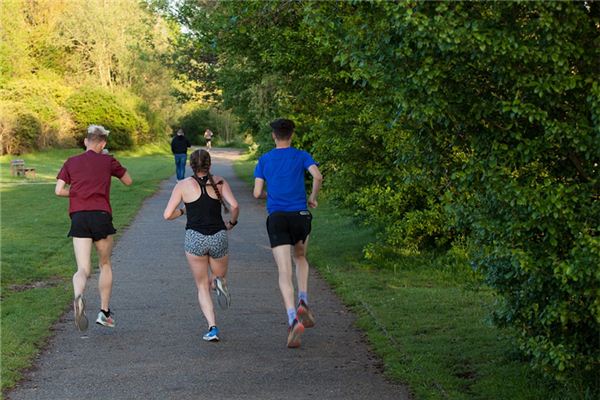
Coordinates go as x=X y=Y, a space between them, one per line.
x=85 y=180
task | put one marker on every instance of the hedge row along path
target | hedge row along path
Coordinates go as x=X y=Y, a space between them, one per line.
x=156 y=350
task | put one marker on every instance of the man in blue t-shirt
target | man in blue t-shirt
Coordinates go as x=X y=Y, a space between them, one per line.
x=289 y=220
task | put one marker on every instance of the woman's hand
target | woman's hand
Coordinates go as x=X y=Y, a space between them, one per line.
x=229 y=225
x=172 y=211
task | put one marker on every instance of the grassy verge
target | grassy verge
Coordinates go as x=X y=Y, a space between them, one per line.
x=429 y=329
x=37 y=257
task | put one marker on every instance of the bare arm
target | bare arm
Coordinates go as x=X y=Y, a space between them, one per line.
x=126 y=179
x=61 y=188
x=316 y=185
x=233 y=204
x=172 y=211
x=259 y=185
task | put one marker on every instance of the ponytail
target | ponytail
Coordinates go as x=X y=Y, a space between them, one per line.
x=215 y=187
x=200 y=162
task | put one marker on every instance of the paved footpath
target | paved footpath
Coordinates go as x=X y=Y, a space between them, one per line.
x=156 y=350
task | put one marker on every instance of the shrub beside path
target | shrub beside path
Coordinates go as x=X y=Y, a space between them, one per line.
x=156 y=350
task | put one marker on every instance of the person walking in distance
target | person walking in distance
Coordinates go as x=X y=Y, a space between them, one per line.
x=85 y=179
x=289 y=221
x=179 y=146
x=206 y=242
x=208 y=134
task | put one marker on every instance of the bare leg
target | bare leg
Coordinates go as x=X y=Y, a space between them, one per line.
x=199 y=267
x=301 y=265
x=218 y=267
x=282 y=255
x=82 y=248
x=104 y=248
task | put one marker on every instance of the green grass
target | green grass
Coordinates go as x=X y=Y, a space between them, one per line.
x=26 y=320
x=237 y=143
x=244 y=169
x=37 y=256
x=422 y=316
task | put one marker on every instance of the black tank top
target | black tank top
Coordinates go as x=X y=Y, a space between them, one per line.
x=204 y=214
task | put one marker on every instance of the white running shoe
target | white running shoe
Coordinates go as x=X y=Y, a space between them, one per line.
x=81 y=321
x=223 y=296
x=103 y=320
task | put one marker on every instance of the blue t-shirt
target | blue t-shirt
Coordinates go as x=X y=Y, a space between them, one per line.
x=283 y=171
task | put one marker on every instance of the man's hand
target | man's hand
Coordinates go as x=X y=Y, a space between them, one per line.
x=312 y=201
x=316 y=185
x=61 y=189
x=259 y=186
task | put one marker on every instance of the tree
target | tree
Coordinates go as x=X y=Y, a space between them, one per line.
x=121 y=46
x=448 y=124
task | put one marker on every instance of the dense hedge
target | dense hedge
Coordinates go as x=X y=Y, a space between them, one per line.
x=93 y=105
x=43 y=98
x=194 y=122
x=445 y=124
x=58 y=115
x=19 y=128
x=40 y=112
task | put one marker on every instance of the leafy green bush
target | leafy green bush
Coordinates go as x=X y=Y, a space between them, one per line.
x=44 y=96
x=158 y=128
x=94 y=105
x=19 y=128
x=155 y=128
x=194 y=122
x=504 y=126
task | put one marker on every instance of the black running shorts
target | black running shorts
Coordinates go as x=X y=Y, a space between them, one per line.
x=288 y=227
x=96 y=225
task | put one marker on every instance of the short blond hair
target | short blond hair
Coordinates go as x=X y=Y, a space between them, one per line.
x=97 y=133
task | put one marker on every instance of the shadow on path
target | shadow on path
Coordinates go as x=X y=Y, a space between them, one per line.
x=156 y=350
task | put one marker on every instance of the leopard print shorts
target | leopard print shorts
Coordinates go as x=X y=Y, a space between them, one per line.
x=214 y=246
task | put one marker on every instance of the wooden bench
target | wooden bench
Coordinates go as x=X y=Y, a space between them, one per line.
x=18 y=168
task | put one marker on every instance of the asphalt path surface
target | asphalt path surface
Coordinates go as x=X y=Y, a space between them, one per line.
x=156 y=350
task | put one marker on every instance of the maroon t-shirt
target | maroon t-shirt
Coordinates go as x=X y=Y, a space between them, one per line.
x=89 y=176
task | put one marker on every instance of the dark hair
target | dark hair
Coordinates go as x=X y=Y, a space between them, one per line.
x=200 y=162
x=283 y=128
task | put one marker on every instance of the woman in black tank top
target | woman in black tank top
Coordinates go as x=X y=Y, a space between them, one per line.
x=204 y=213
x=204 y=195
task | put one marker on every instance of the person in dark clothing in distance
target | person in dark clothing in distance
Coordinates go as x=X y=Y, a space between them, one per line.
x=179 y=146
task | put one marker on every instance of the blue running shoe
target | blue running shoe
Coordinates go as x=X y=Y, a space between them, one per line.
x=223 y=296
x=212 y=335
